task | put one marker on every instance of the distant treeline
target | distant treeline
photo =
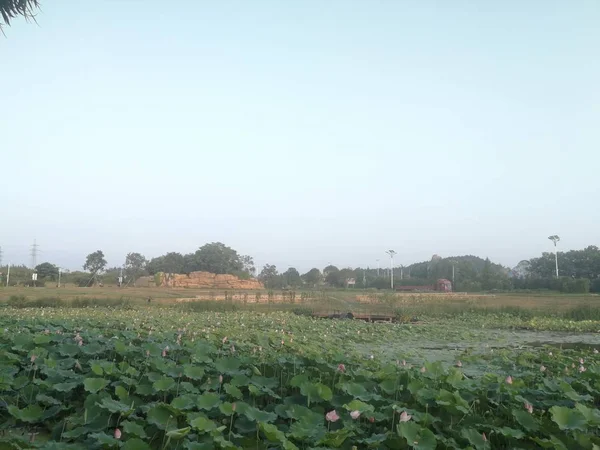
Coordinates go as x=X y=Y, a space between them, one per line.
x=579 y=272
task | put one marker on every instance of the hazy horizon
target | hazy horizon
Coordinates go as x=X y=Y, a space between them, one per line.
x=300 y=134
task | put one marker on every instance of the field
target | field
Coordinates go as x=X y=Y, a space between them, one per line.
x=457 y=372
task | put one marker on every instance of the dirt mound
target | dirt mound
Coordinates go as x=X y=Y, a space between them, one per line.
x=206 y=280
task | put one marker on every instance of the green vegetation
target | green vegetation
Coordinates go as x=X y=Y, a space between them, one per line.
x=9 y=9
x=579 y=272
x=214 y=257
x=138 y=378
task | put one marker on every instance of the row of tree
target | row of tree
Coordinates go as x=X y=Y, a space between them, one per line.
x=579 y=270
x=469 y=272
x=213 y=257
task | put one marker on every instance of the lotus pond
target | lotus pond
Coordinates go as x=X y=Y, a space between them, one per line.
x=160 y=378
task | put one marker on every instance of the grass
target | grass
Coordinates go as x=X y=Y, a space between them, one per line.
x=523 y=308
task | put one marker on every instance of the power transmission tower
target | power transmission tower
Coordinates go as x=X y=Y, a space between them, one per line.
x=34 y=254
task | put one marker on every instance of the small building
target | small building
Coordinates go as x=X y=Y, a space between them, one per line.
x=350 y=282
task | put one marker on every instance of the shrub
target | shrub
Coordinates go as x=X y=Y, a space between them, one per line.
x=213 y=306
x=302 y=311
x=583 y=312
x=17 y=301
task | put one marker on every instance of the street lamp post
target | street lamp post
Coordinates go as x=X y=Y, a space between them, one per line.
x=391 y=253
x=554 y=238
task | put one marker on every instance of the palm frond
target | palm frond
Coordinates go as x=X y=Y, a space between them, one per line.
x=9 y=9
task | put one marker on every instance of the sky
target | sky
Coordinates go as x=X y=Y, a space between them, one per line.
x=300 y=133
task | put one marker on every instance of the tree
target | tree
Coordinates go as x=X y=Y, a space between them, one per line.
x=95 y=263
x=486 y=275
x=333 y=278
x=269 y=276
x=312 y=277
x=248 y=263
x=330 y=268
x=47 y=271
x=172 y=262
x=216 y=257
x=292 y=277
x=135 y=266
x=9 y=9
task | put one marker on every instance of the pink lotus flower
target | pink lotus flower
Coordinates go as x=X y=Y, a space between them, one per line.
x=341 y=368
x=404 y=362
x=80 y=343
x=282 y=342
x=549 y=353
x=542 y=368
x=528 y=407
x=33 y=358
x=164 y=353
x=332 y=416
x=147 y=353
x=117 y=433
x=404 y=417
x=582 y=369
x=484 y=437
x=509 y=380
x=458 y=364
x=233 y=407
x=355 y=415
x=77 y=365
x=595 y=351
x=580 y=360
x=372 y=419
x=423 y=369
x=220 y=379
x=224 y=339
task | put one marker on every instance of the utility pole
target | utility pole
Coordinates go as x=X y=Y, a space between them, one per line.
x=554 y=238
x=34 y=253
x=402 y=272
x=59 y=271
x=391 y=253
x=452 y=275
x=377 y=268
x=8 y=275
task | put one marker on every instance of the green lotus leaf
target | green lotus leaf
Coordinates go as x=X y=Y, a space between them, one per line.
x=135 y=444
x=133 y=428
x=203 y=424
x=94 y=385
x=31 y=413
x=163 y=384
x=416 y=436
x=208 y=401
x=568 y=419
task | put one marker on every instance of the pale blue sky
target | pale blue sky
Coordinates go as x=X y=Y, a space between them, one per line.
x=301 y=133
